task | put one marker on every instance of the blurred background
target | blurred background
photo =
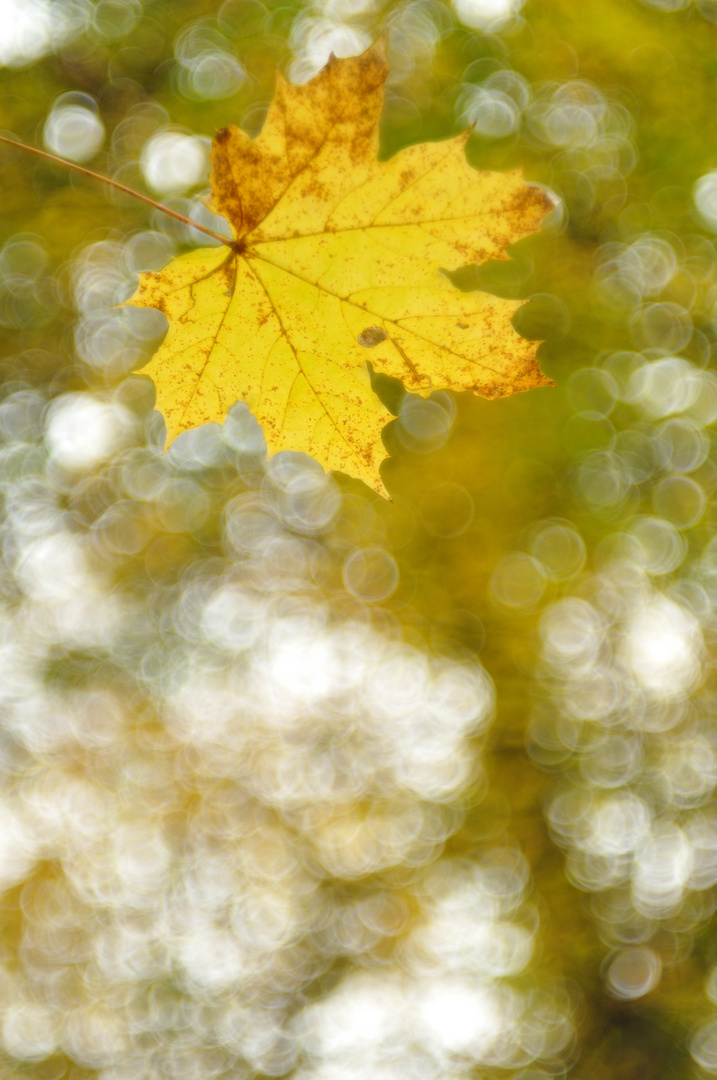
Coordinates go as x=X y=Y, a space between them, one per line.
x=295 y=781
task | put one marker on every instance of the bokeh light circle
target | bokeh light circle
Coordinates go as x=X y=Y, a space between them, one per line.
x=488 y=15
x=704 y=194
x=73 y=129
x=679 y=499
x=632 y=973
x=371 y=574
x=518 y=583
x=173 y=161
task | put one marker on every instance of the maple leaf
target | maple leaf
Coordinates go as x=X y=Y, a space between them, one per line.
x=335 y=252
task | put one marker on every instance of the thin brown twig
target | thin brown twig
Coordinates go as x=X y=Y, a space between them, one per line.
x=120 y=187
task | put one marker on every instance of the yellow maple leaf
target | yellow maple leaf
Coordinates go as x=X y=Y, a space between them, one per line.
x=336 y=252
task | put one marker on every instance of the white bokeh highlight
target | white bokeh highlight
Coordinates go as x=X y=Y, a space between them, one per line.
x=704 y=195
x=488 y=15
x=173 y=161
x=73 y=131
x=83 y=430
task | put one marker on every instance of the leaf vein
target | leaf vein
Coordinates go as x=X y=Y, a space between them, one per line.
x=298 y=361
x=375 y=314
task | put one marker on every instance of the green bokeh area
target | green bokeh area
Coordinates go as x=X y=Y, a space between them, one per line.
x=297 y=781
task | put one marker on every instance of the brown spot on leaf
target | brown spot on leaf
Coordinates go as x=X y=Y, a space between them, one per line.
x=372 y=336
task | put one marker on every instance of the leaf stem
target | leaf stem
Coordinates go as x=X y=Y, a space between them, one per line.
x=120 y=187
